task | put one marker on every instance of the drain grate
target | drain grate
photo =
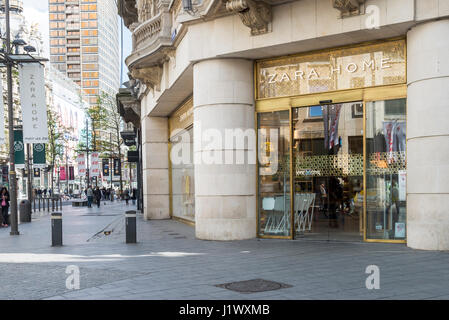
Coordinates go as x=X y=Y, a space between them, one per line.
x=181 y=237
x=253 y=286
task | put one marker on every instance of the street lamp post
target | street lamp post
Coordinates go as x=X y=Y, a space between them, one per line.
x=12 y=169
x=9 y=59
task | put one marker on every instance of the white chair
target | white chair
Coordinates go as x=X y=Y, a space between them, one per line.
x=268 y=205
x=281 y=215
x=303 y=219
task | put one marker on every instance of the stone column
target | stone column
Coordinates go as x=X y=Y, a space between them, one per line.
x=225 y=196
x=155 y=168
x=428 y=136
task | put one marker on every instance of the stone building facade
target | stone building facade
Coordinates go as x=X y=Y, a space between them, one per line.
x=342 y=106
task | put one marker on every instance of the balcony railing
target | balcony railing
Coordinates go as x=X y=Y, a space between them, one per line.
x=147 y=31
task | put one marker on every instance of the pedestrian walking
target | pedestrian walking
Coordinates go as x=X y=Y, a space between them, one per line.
x=112 y=194
x=90 y=196
x=5 y=206
x=126 y=196
x=134 y=196
x=97 y=194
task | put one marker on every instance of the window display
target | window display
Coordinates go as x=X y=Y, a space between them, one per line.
x=386 y=173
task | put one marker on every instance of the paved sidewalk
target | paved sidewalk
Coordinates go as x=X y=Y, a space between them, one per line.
x=169 y=263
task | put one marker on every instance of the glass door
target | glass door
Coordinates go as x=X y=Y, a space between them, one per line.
x=327 y=148
x=274 y=216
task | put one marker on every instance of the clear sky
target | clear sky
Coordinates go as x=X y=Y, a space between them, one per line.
x=36 y=11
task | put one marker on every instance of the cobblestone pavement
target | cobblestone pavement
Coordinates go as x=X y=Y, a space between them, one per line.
x=169 y=263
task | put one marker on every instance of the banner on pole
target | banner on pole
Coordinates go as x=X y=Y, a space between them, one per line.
x=117 y=167
x=2 y=115
x=32 y=99
x=62 y=174
x=81 y=162
x=105 y=167
x=95 y=164
x=71 y=173
x=5 y=175
x=19 y=153
x=39 y=160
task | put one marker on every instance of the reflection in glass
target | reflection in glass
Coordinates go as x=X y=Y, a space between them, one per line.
x=386 y=169
x=328 y=171
x=274 y=173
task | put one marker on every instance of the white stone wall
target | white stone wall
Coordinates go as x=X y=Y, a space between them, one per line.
x=225 y=194
x=428 y=136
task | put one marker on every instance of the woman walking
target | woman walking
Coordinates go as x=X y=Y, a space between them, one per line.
x=5 y=206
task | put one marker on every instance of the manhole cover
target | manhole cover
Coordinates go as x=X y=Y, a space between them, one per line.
x=252 y=286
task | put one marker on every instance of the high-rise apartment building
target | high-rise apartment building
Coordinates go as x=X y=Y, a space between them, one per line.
x=84 y=44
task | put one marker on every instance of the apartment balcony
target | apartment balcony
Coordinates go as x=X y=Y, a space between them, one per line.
x=72 y=26
x=71 y=45
x=151 y=39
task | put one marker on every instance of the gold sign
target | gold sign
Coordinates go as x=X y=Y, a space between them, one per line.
x=339 y=69
x=182 y=117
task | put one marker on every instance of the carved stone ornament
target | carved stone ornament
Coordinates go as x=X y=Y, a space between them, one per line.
x=146 y=9
x=348 y=7
x=150 y=76
x=254 y=14
x=127 y=10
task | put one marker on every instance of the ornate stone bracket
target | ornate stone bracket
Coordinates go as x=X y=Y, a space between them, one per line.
x=128 y=11
x=254 y=14
x=150 y=76
x=348 y=7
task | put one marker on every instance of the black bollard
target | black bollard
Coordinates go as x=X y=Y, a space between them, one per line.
x=56 y=229
x=39 y=203
x=130 y=217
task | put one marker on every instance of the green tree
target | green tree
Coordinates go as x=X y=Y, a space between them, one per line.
x=56 y=141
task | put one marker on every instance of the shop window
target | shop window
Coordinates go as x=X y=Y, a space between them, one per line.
x=274 y=174
x=183 y=177
x=315 y=112
x=386 y=173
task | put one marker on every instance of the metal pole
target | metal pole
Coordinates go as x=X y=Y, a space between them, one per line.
x=29 y=179
x=67 y=173
x=12 y=169
x=87 y=152
x=110 y=156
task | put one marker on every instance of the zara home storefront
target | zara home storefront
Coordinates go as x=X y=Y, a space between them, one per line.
x=294 y=119
x=332 y=143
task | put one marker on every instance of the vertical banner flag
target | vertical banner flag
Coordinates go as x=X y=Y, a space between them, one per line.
x=39 y=160
x=71 y=173
x=5 y=176
x=81 y=162
x=94 y=164
x=62 y=174
x=2 y=115
x=19 y=153
x=105 y=167
x=117 y=167
x=32 y=99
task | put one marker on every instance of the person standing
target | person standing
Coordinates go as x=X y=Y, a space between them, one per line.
x=97 y=194
x=112 y=194
x=126 y=196
x=5 y=206
x=90 y=196
x=134 y=196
